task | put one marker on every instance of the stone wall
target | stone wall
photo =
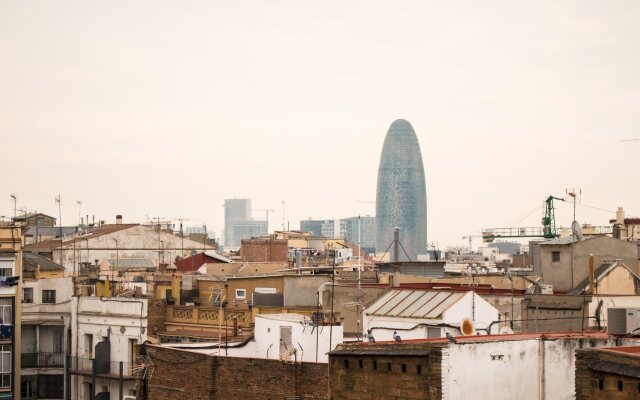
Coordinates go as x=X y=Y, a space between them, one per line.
x=597 y=385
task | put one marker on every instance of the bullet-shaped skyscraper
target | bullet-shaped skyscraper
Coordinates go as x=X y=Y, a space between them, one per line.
x=401 y=199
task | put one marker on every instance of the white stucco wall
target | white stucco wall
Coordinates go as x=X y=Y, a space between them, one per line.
x=513 y=369
x=139 y=241
x=127 y=318
x=303 y=337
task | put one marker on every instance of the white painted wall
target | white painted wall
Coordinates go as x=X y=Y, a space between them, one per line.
x=142 y=238
x=512 y=369
x=304 y=337
x=608 y=302
x=127 y=319
x=267 y=341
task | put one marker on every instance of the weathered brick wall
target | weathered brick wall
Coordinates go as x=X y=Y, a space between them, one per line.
x=377 y=377
x=178 y=375
x=250 y=378
x=185 y=375
x=596 y=385
x=257 y=250
x=156 y=316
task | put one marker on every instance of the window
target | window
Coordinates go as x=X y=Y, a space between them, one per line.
x=6 y=266
x=241 y=294
x=88 y=346
x=51 y=386
x=620 y=386
x=27 y=295
x=5 y=366
x=360 y=364
x=346 y=364
x=6 y=312
x=419 y=370
x=48 y=297
x=404 y=368
x=601 y=384
x=555 y=256
x=389 y=366
x=375 y=365
x=27 y=387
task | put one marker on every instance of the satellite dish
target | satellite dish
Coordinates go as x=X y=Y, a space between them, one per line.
x=467 y=328
x=577 y=230
x=505 y=330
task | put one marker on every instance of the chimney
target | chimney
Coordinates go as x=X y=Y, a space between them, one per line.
x=620 y=216
x=118 y=219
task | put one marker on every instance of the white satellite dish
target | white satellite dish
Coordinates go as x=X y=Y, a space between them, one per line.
x=577 y=230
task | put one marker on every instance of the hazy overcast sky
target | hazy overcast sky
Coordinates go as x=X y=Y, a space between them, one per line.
x=166 y=108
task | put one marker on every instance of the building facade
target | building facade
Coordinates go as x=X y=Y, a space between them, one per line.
x=10 y=311
x=401 y=199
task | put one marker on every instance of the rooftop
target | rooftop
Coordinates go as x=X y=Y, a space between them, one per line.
x=414 y=303
x=367 y=347
x=289 y=317
x=88 y=234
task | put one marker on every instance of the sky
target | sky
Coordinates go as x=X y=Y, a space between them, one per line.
x=166 y=108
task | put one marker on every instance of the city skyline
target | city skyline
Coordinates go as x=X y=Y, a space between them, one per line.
x=197 y=104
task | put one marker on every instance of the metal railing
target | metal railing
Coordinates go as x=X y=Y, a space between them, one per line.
x=42 y=360
x=85 y=365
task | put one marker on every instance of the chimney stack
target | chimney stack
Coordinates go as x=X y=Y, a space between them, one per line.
x=118 y=219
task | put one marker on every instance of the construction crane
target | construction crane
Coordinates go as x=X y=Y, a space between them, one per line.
x=547 y=230
x=470 y=237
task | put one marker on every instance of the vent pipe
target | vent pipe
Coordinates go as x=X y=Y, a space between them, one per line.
x=396 y=245
x=592 y=275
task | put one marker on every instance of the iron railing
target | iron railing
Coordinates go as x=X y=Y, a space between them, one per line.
x=42 y=360
x=85 y=365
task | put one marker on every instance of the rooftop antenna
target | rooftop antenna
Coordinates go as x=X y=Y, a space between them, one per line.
x=575 y=194
x=14 y=196
x=79 y=203
x=284 y=203
x=59 y=203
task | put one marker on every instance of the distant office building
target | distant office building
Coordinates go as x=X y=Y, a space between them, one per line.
x=240 y=230
x=401 y=199
x=238 y=223
x=333 y=228
x=237 y=210
x=312 y=226
x=361 y=230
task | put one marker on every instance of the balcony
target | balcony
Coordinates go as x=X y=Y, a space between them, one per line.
x=42 y=360
x=84 y=366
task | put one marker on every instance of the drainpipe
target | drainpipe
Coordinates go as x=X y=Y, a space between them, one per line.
x=541 y=370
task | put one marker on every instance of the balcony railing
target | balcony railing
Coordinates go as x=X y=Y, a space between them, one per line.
x=42 y=360
x=84 y=366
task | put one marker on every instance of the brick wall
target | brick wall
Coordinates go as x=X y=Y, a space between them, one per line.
x=380 y=376
x=264 y=250
x=156 y=316
x=185 y=375
x=597 y=385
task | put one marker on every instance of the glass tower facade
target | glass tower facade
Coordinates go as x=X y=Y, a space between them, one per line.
x=401 y=199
